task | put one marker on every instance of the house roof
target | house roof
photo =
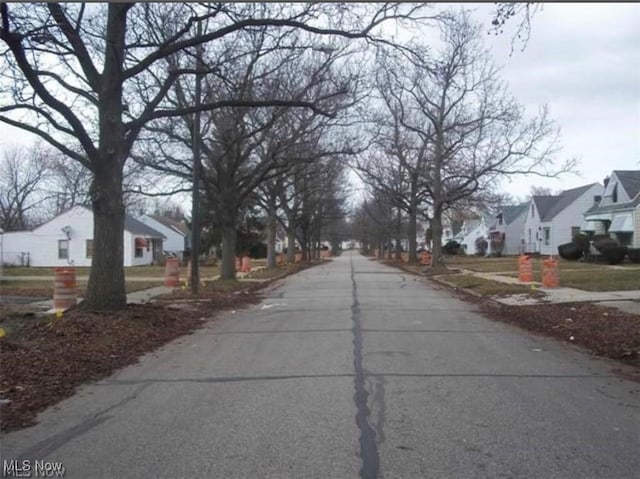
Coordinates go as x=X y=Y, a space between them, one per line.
x=562 y=201
x=171 y=223
x=136 y=227
x=543 y=204
x=472 y=224
x=614 y=207
x=511 y=212
x=630 y=180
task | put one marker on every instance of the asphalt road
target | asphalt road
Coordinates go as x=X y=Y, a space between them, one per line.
x=348 y=370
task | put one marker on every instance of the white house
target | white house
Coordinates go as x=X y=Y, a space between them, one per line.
x=475 y=228
x=618 y=211
x=175 y=232
x=508 y=226
x=68 y=240
x=450 y=233
x=552 y=220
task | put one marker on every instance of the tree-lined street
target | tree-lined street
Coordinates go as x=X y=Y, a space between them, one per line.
x=349 y=369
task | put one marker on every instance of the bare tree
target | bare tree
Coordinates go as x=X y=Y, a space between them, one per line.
x=475 y=133
x=23 y=174
x=73 y=66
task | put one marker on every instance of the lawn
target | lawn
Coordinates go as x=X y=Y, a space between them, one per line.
x=44 y=289
x=606 y=280
x=151 y=271
x=510 y=264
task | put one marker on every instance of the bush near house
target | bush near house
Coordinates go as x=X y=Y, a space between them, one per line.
x=582 y=243
x=481 y=246
x=451 y=248
x=634 y=254
x=569 y=251
x=614 y=254
x=602 y=243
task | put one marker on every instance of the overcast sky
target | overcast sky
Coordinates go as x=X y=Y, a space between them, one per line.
x=583 y=61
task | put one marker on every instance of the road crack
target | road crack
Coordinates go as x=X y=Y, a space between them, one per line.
x=368 y=445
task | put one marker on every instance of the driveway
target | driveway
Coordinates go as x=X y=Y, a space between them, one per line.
x=350 y=369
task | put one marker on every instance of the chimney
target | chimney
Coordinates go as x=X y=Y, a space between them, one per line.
x=606 y=181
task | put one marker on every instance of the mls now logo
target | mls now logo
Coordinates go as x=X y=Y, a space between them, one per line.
x=26 y=468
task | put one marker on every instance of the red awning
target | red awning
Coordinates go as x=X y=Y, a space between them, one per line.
x=141 y=243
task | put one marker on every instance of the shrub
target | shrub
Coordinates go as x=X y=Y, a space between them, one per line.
x=481 y=246
x=634 y=254
x=451 y=247
x=603 y=243
x=582 y=242
x=614 y=254
x=569 y=251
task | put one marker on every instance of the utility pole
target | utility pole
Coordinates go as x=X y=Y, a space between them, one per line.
x=195 y=196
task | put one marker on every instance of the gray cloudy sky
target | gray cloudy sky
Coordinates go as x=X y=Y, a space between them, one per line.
x=583 y=61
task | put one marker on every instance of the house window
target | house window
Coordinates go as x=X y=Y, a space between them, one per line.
x=89 y=248
x=614 y=194
x=532 y=210
x=63 y=249
x=597 y=199
x=575 y=230
x=139 y=246
x=500 y=219
x=547 y=235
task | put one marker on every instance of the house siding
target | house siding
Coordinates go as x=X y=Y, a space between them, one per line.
x=41 y=244
x=607 y=195
x=532 y=240
x=513 y=233
x=174 y=242
x=469 y=237
x=572 y=216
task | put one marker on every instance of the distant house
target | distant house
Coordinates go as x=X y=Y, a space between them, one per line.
x=508 y=226
x=175 y=232
x=450 y=232
x=475 y=228
x=552 y=220
x=618 y=211
x=68 y=240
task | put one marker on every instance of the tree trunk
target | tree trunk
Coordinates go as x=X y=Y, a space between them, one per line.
x=436 y=238
x=291 y=241
x=305 y=245
x=399 y=235
x=411 y=232
x=228 y=263
x=271 y=237
x=106 y=288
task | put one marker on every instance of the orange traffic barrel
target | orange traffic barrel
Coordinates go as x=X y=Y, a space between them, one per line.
x=65 y=292
x=425 y=258
x=171 y=273
x=550 y=277
x=298 y=257
x=246 y=264
x=525 y=269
